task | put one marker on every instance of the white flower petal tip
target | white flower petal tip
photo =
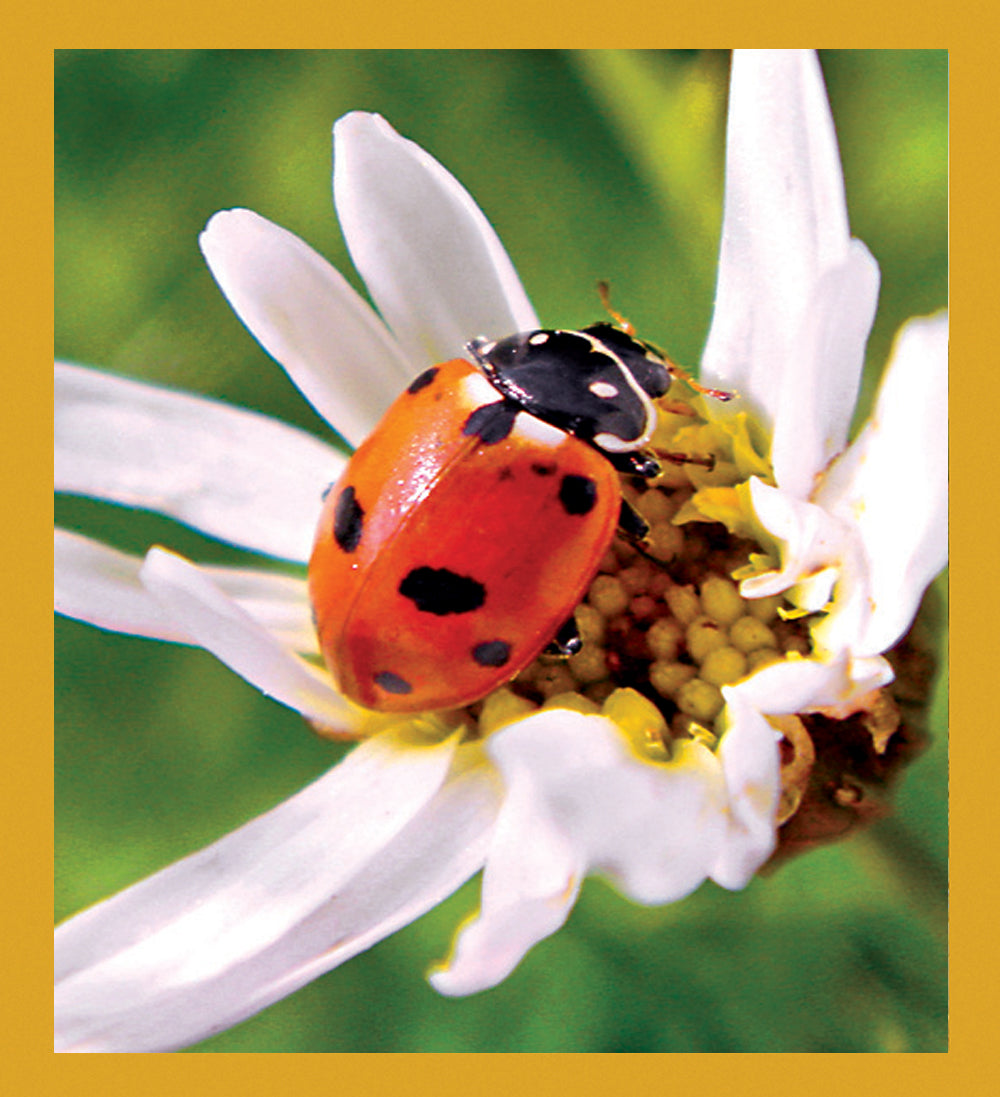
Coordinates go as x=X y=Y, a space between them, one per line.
x=234 y=474
x=796 y=294
x=433 y=264
x=101 y=586
x=227 y=931
x=748 y=754
x=579 y=800
x=892 y=484
x=487 y=951
x=188 y=596
x=306 y=316
x=781 y=142
x=811 y=684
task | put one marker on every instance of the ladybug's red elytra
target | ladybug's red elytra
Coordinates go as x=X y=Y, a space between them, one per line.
x=465 y=530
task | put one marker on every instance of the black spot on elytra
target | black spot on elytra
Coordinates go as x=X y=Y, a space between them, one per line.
x=348 y=520
x=578 y=494
x=540 y=469
x=491 y=423
x=441 y=591
x=506 y=473
x=423 y=380
x=392 y=683
x=491 y=653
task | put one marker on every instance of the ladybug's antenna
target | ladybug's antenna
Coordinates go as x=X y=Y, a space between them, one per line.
x=604 y=291
x=722 y=395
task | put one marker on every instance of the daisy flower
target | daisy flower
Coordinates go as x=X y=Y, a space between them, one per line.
x=654 y=756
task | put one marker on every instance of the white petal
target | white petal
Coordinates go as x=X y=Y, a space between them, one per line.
x=751 y=766
x=278 y=603
x=867 y=673
x=432 y=263
x=217 y=623
x=784 y=222
x=809 y=685
x=196 y=948
x=893 y=481
x=100 y=585
x=790 y=686
x=579 y=800
x=233 y=474
x=817 y=397
x=811 y=540
x=391 y=771
x=533 y=879
x=307 y=317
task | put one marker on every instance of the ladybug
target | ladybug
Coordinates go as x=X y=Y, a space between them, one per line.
x=467 y=527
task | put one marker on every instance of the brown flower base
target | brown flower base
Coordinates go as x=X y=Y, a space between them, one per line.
x=856 y=762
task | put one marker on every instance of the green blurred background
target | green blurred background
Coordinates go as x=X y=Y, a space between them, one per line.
x=591 y=164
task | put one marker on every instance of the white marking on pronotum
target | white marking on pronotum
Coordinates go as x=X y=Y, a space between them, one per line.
x=539 y=338
x=533 y=429
x=611 y=442
x=604 y=389
x=478 y=391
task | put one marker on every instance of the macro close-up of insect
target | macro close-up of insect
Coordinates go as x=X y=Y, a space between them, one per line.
x=468 y=526
x=444 y=666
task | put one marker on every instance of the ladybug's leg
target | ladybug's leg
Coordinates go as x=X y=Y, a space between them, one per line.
x=677 y=407
x=706 y=461
x=567 y=640
x=631 y=523
x=635 y=464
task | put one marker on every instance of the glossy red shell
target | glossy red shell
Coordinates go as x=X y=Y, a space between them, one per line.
x=451 y=561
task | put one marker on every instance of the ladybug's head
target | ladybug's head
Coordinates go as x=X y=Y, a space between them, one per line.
x=597 y=384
